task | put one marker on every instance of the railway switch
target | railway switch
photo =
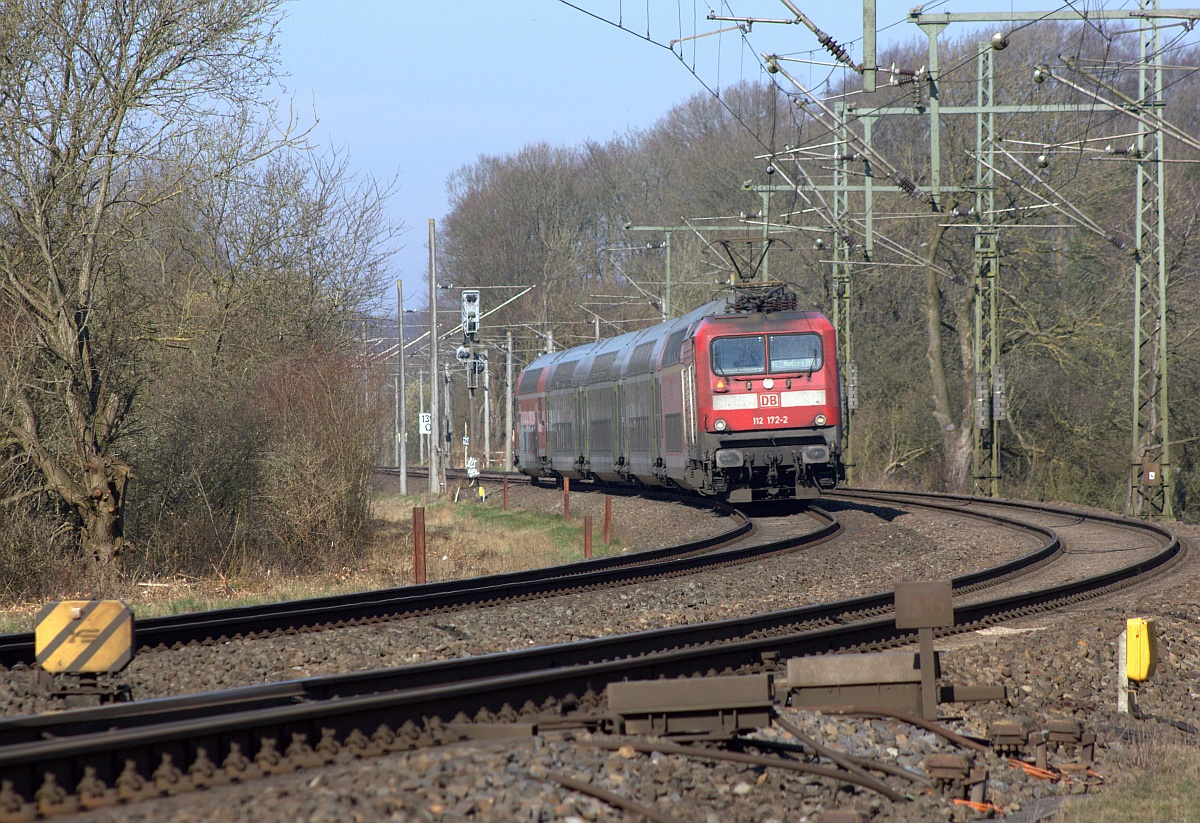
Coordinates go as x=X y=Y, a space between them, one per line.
x=889 y=679
x=894 y=680
x=925 y=606
x=698 y=705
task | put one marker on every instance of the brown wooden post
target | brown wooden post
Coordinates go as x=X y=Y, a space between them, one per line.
x=506 y=492
x=566 y=498
x=587 y=537
x=608 y=519
x=418 y=544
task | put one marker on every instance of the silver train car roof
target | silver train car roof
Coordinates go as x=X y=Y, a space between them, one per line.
x=738 y=301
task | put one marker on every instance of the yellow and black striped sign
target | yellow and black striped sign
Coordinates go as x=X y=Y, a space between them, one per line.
x=84 y=636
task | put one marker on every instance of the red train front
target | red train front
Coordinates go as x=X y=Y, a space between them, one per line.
x=734 y=400
x=768 y=404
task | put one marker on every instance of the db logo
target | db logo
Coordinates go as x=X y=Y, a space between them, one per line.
x=768 y=400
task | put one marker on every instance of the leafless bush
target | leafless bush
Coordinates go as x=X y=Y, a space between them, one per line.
x=37 y=556
x=320 y=420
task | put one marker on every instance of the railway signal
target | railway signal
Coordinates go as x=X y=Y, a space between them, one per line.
x=470 y=314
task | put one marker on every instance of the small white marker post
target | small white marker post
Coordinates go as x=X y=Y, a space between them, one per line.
x=1122 y=676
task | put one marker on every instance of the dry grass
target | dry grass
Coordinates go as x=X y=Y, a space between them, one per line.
x=1154 y=778
x=469 y=538
x=463 y=539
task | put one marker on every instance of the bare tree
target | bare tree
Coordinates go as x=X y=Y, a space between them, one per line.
x=1066 y=306
x=92 y=96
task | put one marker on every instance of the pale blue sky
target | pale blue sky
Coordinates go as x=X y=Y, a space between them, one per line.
x=415 y=90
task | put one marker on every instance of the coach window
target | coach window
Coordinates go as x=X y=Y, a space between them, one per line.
x=739 y=355
x=794 y=352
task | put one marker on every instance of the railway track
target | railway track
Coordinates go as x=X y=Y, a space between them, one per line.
x=1091 y=544
x=314 y=614
x=368 y=608
x=265 y=728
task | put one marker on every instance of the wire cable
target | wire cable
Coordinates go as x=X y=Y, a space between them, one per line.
x=944 y=74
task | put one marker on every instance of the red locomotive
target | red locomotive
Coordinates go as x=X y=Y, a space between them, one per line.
x=738 y=399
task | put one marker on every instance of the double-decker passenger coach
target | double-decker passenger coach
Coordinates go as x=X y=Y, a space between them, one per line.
x=738 y=399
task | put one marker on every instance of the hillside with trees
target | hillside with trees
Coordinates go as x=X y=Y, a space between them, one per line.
x=186 y=282
x=556 y=217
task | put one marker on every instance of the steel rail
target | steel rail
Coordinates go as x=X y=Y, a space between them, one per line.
x=342 y=724
x=959 y=502
x=870 y=764
x=219 y=625
x=855 y=776
x=760 y=626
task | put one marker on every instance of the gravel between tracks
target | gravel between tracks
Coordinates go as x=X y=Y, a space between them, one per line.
x=1055 y=665
x=1064 y=668
x=881 y=545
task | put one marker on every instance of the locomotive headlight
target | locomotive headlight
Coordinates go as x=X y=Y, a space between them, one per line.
x=768 y=383
x=819 y=420
x=720 y=425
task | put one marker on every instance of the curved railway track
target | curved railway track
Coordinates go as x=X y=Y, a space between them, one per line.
x=310 y=614
x=1090 y=545
x=366 y=608
x=276 y=727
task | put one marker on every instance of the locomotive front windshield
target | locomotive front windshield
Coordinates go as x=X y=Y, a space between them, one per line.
x=795 y=352
x=739 y=355
x=777 y=354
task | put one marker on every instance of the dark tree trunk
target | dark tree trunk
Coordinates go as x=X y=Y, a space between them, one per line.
x=103 y=513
